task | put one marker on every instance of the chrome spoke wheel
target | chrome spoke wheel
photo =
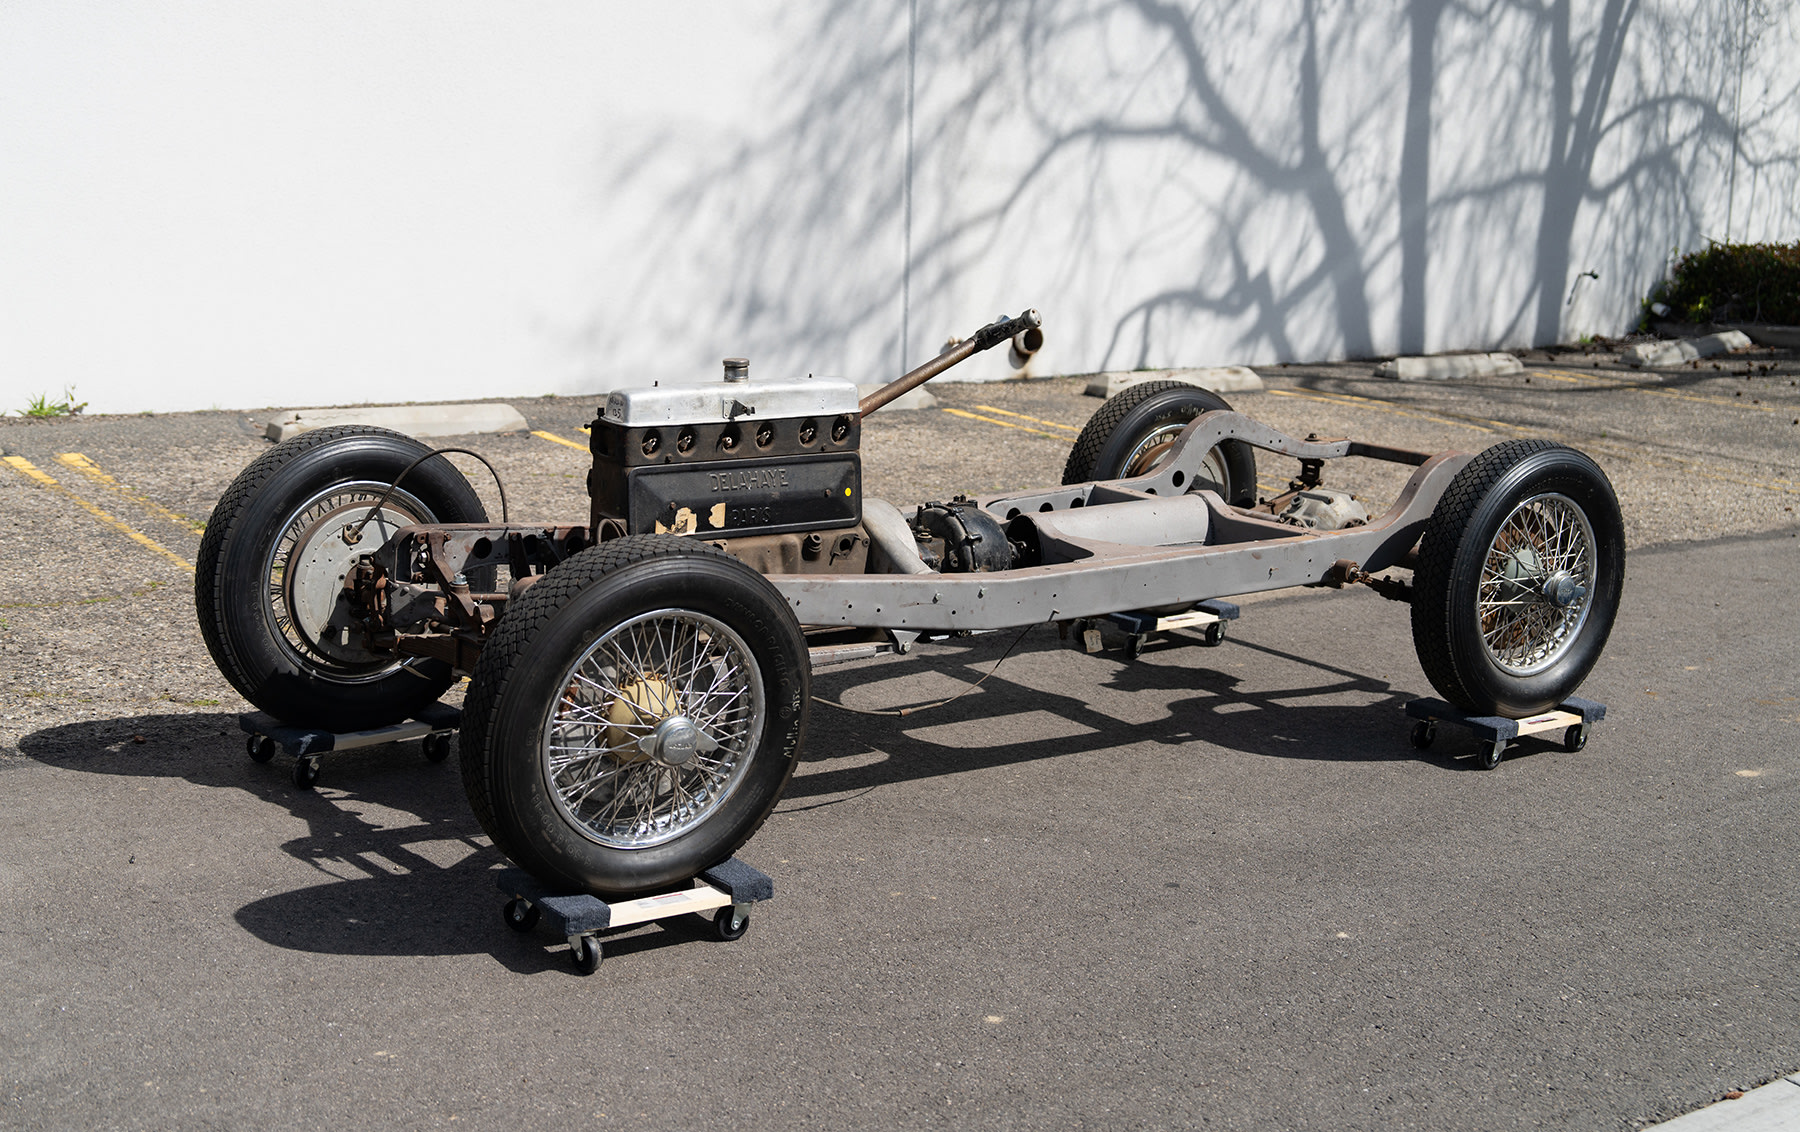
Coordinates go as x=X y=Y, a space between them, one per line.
x=1154 y=448
x=1518 y=578
x=656 y=726
x=1535 y=584
x=635 y=716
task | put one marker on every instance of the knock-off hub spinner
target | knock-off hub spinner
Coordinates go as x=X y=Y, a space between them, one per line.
x=674 y=743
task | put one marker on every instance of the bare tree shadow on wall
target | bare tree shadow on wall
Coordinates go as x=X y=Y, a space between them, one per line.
x=1289 y=175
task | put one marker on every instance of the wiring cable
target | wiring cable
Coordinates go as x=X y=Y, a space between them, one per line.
x=354 y=534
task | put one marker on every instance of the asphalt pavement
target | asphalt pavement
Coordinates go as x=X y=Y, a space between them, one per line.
x=1205 y=888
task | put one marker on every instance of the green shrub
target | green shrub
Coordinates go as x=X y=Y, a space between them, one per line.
x=1734 y=283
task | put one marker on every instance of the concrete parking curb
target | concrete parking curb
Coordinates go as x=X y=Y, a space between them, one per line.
x=1219 y=379
x=1780 y=337
x=1667 y=355
x=1772 y=1107
x=1759 y=333
x=413 y=420
x=1443 y=367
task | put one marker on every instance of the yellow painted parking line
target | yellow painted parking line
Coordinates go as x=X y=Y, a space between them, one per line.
x=92 y=470
x=1785 y=487
x=1394 y=406
x=1007 y=424
x=555 y=439
x=30 y=469
x=26 y=467
x=1351 y=401
x=1023 y=417
x=1731 y=401
x=1734 y=402
x=1768 y=483
x=1564 y=375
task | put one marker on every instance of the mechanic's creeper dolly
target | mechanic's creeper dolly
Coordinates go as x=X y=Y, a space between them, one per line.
x=726 y=890
x=1573 y=717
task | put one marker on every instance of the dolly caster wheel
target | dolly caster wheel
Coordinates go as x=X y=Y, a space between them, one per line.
x=730 y=923
x=586 y=954
x=306 y=772
x=260 y=748
x=520 y=915
x=1575 y=738
x=1489 y=753
x=1134 y=646
x=1424 y=733
x=437 y=746
x=1214 y=635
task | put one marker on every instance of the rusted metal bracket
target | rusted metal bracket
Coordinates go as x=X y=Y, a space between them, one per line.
x=1344 y=572
x=459 y=650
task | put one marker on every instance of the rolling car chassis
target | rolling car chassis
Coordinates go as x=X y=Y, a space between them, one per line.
x=640 y=683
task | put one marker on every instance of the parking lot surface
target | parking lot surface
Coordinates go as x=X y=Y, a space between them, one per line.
x=1209 y=887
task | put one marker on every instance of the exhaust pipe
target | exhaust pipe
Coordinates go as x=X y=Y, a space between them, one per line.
x=1024 y=344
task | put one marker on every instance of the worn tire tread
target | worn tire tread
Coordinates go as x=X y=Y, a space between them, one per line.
x=1085 y=454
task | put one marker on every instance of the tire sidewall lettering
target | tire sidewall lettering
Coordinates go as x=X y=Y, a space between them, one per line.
x=231 y=585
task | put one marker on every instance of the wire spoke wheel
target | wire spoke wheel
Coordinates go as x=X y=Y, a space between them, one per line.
x=1520 y=571
x=635 y=716
x=656 y=724
x=1535 y=584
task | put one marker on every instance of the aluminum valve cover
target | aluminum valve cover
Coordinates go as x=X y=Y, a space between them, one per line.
x=727 y=401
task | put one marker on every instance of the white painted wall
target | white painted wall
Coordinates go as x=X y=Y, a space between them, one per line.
x=224 y=204
x=215 y=204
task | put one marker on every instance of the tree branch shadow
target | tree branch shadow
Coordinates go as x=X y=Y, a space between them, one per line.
x=1212 y=173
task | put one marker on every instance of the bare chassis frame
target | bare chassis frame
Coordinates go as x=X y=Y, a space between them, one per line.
x=1094 y=563
x=1238 y=552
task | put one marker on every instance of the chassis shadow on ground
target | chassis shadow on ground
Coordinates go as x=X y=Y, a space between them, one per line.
x=406 y=869
x=411 y=874
x=1277 y=722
